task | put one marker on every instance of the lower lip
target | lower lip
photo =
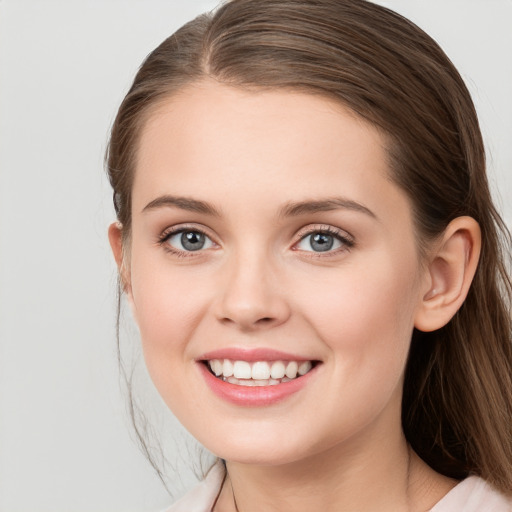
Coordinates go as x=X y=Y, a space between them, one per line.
x=254 y=396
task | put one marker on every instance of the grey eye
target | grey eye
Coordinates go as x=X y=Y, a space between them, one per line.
x=192 y=240
x=189 y=241
x=319 y=242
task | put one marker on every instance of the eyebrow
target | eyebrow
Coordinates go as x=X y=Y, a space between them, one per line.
x=293 y=209
x=183 y=203
x=324 y=205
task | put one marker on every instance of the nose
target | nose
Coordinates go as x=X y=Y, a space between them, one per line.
x=252 y=297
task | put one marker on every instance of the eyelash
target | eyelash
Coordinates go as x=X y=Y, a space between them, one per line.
x=345 y=239
x=168 y=233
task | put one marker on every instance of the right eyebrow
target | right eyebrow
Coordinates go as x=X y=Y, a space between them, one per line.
x=183 y=203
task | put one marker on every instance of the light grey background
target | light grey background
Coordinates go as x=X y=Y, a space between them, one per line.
x=65 y=442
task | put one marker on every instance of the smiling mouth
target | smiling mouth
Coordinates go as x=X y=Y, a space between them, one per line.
x=258 y=373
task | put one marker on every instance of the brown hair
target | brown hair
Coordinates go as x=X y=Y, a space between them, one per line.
x=457 y=402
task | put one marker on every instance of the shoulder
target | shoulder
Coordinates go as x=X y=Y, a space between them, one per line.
x=474 y=495
x=202 y=497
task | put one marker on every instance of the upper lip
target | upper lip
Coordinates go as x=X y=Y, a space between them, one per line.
x=251 y=355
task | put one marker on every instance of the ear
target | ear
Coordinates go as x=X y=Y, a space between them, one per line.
x=451 y=268
x=115 y=237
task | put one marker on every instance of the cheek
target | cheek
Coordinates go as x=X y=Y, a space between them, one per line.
x=365 y=314
x=167 y=305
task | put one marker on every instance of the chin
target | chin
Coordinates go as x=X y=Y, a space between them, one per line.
x=259 y=450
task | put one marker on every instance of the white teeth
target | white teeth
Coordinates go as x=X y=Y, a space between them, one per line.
x=304 y=367
x=216 y=366
x=278 y=370
x=247 y=382
x=261 y=370
x=291 y=370
x=242 y=370
x=227 y=368
x=251 y=382
x=259 y=373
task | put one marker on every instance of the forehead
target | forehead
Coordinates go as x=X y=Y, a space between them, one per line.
x=284 y=144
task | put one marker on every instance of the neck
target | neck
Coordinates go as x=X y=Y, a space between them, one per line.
x=383 y=475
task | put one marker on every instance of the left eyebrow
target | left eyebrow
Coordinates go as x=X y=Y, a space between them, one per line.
x=183 y=203
x=324 y=205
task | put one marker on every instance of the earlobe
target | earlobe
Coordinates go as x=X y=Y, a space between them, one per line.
x=451 y=268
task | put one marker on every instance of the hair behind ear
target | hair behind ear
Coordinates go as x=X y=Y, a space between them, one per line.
x=457 y=401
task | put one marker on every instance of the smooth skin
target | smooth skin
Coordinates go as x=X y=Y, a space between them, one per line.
x=259 y=174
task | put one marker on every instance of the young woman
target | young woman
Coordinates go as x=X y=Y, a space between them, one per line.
x=307 y=241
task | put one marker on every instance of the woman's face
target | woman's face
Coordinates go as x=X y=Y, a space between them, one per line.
x=268 y=238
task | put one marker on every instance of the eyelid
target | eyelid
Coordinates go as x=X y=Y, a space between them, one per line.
x=324 y=228
x=177 y=228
